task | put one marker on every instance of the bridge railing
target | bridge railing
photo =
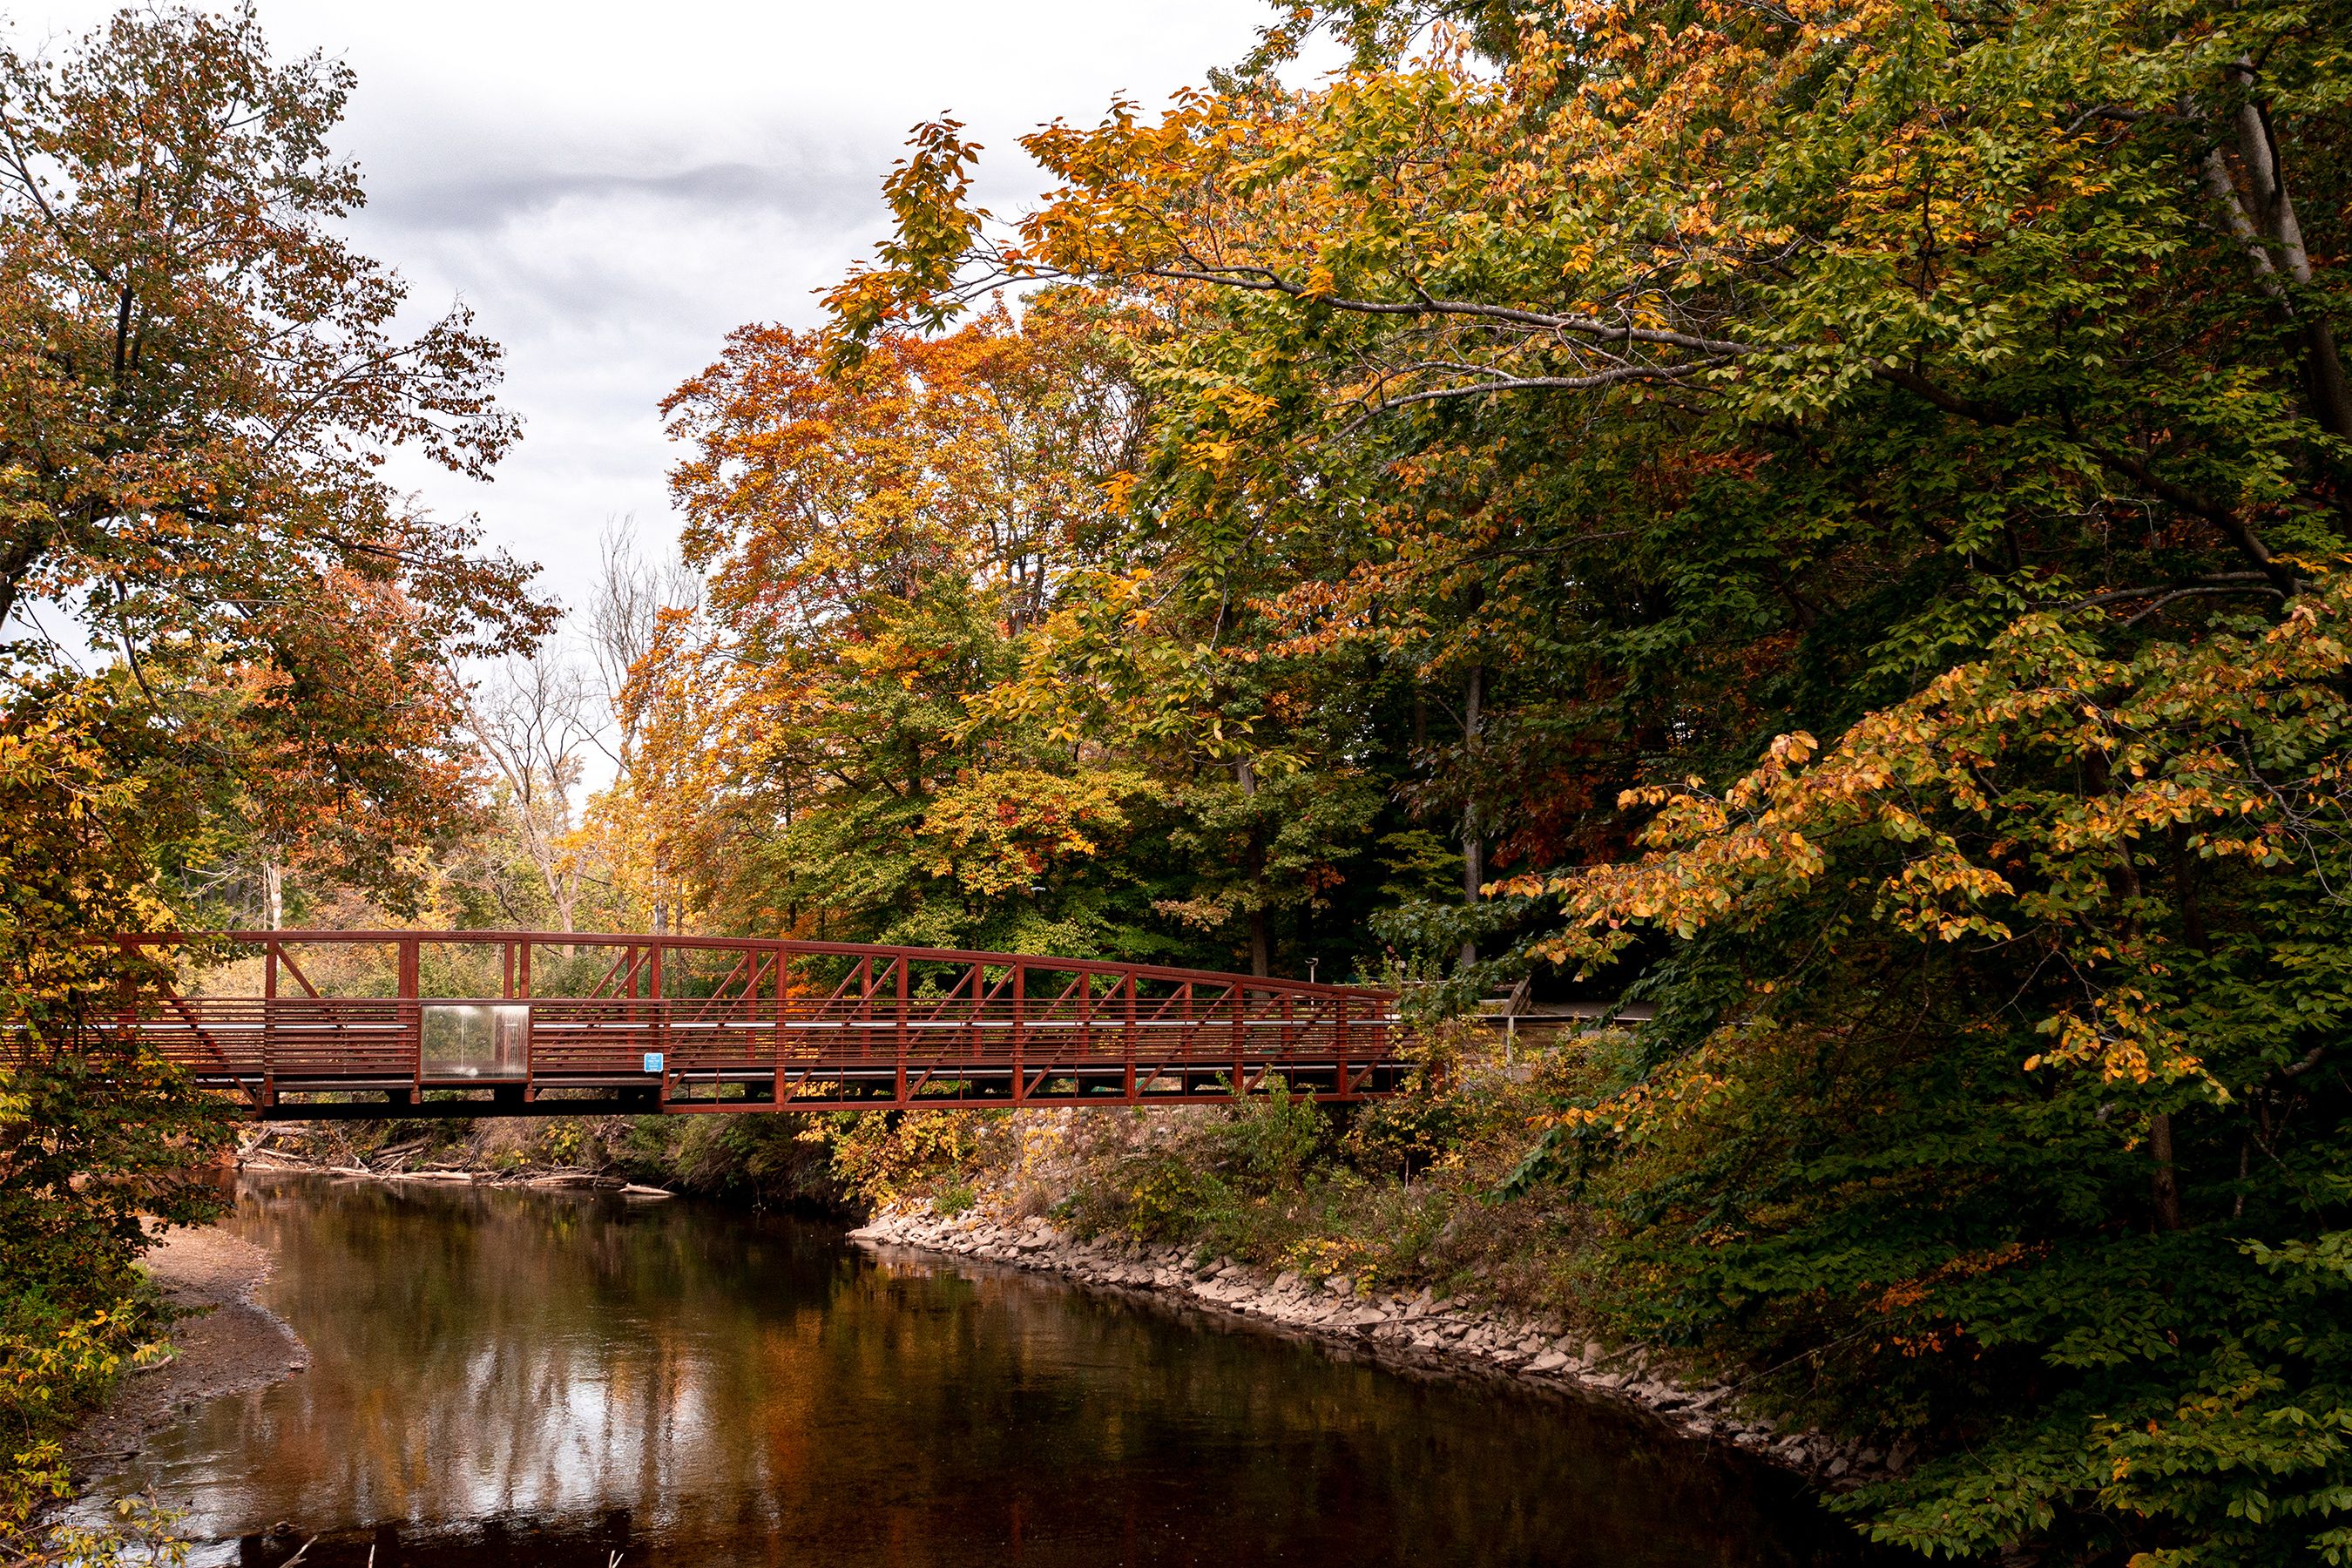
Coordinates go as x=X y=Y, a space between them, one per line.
x=707 y=1023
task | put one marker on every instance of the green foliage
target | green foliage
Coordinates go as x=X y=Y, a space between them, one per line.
x=93 y=1132
x=753 y=1159
x=55 y=1367
x=891 y=1156
x=1404 y=1136
x=1660 y=386
x=1248 y=1179
x=137 y=1531
x=201 y=384
x=95 y=1135
x=2086 y=1244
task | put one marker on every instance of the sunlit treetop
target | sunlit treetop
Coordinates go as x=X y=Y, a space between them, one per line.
x=1765 y=217
x=202 y=378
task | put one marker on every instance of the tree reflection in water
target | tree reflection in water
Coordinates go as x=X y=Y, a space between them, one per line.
x=521 y=1378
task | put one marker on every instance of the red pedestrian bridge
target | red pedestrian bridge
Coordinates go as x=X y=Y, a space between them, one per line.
x=314 y=1025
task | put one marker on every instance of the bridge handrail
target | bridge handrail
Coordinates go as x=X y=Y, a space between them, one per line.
x=762 y=944
x=762 y=1036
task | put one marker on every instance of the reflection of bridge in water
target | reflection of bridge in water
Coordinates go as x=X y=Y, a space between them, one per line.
x=370 y=1025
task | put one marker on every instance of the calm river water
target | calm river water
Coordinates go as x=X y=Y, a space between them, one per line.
x=522 y=1378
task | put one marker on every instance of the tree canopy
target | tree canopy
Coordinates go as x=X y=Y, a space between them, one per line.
x=229 y=640
x=1828 y=519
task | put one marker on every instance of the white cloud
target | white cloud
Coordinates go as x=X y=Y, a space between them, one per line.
x=613 y=187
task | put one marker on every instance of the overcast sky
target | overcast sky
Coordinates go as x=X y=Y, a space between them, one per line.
x=613 y=187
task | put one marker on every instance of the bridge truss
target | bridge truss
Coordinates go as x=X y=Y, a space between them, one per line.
x=372 y=1025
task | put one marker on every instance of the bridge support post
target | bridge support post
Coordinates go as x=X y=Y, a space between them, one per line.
x=783 y=1006
x=1289 y=1031
x=865 y=1012
x=268 y=1025
x=1020 y=1069
x=1239 y=998
x=1192 y=1040
x=660 y=1015
x=1340 y=1050
x=408 y=959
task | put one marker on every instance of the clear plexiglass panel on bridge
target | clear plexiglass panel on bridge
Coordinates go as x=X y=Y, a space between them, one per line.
x=476 y=1039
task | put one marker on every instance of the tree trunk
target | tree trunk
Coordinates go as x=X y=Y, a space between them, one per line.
x=2164 y=1187
x=2274 y=224
x=1254 y=865
x=17 y=563
x=2184 y=891
x=273 y=895
x=1473 y=847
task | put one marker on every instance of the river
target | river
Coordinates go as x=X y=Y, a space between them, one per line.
x=520 y=1378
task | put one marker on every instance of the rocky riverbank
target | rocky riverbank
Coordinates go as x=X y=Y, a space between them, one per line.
x=1422 y=1331
x=230 y=1344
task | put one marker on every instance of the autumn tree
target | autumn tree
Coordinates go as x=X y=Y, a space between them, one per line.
x=199 y=382
x=202 y=378
x=875 y=544
x=2018 y=1125
x=906 y=559
x=1656 y=360
x=1633 y=390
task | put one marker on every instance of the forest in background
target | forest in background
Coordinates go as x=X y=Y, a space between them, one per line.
x=1828 y=519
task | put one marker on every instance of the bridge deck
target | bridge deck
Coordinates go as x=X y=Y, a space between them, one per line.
x=712 y=1025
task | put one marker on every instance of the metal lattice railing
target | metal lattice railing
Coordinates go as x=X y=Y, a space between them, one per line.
x=403 y=1023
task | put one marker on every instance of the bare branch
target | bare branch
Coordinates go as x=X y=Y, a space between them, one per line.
x=1258 y=279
